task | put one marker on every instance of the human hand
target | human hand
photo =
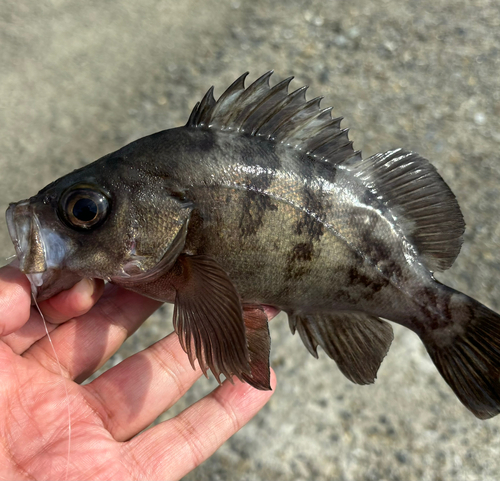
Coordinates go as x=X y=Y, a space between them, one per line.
x=88 y=324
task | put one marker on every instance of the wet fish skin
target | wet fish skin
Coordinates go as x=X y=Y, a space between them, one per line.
x=261 y=200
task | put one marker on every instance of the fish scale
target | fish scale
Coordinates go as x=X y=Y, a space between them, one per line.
x=261 y=200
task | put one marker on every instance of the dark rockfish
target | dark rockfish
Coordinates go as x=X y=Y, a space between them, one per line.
x=260 y=200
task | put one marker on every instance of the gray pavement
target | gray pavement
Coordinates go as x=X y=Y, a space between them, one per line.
x=80 y=79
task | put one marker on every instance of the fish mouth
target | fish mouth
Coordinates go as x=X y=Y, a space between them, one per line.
x=40 y=251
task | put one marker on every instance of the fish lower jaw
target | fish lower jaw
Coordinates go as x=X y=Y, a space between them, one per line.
x=36 y=280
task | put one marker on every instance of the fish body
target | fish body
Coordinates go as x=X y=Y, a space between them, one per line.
x=260 y=200
x=281 y=226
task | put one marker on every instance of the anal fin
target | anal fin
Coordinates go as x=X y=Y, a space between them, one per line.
x=356 y=341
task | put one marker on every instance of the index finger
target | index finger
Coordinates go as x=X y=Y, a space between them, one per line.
x=73 y=302
x=15 y=300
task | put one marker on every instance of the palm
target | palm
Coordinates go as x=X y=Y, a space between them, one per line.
x=35 y=430
x=107 y=413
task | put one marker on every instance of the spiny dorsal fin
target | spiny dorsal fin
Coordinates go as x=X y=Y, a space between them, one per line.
x=277 y=115
x=414 y=191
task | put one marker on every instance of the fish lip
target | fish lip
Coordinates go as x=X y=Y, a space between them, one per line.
x=14 y=229
x=26 y=234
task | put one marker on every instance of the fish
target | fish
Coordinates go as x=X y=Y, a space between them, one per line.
x=260 y=200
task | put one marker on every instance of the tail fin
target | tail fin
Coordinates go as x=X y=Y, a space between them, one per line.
x=467 y=354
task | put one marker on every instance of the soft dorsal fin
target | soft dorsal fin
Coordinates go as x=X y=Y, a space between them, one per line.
x=414 y=191
x=275 y=114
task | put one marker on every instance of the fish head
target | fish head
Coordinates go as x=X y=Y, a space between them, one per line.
x=107 y=220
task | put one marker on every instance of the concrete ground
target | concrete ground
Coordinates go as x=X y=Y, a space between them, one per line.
x=80 y=79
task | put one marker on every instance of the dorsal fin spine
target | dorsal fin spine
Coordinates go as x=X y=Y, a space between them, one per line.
x=305 y=117
x=227 y=97
x=207 y=102
x=326 y=149
x=307 y=127
x=330 y=155
x=281 y=87
x=327 y=139
x=281 y=105
x=326 y=134
x=266 y=98
x=322 y=121
x=300 y=95
x=261 y=83
x=193 y=116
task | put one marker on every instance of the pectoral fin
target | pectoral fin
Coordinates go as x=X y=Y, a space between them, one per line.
x=356 y=341
x=208 y=317
x=259 y=347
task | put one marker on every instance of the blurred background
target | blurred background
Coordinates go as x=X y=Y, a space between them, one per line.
x=80 y=79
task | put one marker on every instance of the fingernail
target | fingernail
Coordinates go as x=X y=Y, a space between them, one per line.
x=85 y=287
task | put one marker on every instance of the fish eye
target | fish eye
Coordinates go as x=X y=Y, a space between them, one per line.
x=84 y=206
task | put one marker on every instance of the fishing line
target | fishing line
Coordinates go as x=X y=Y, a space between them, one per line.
x=33 y=293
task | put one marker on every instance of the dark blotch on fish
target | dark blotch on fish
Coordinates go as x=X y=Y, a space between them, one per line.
x=255 y=207
x=358 y=278
x=298 y=262
x=311 y=221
